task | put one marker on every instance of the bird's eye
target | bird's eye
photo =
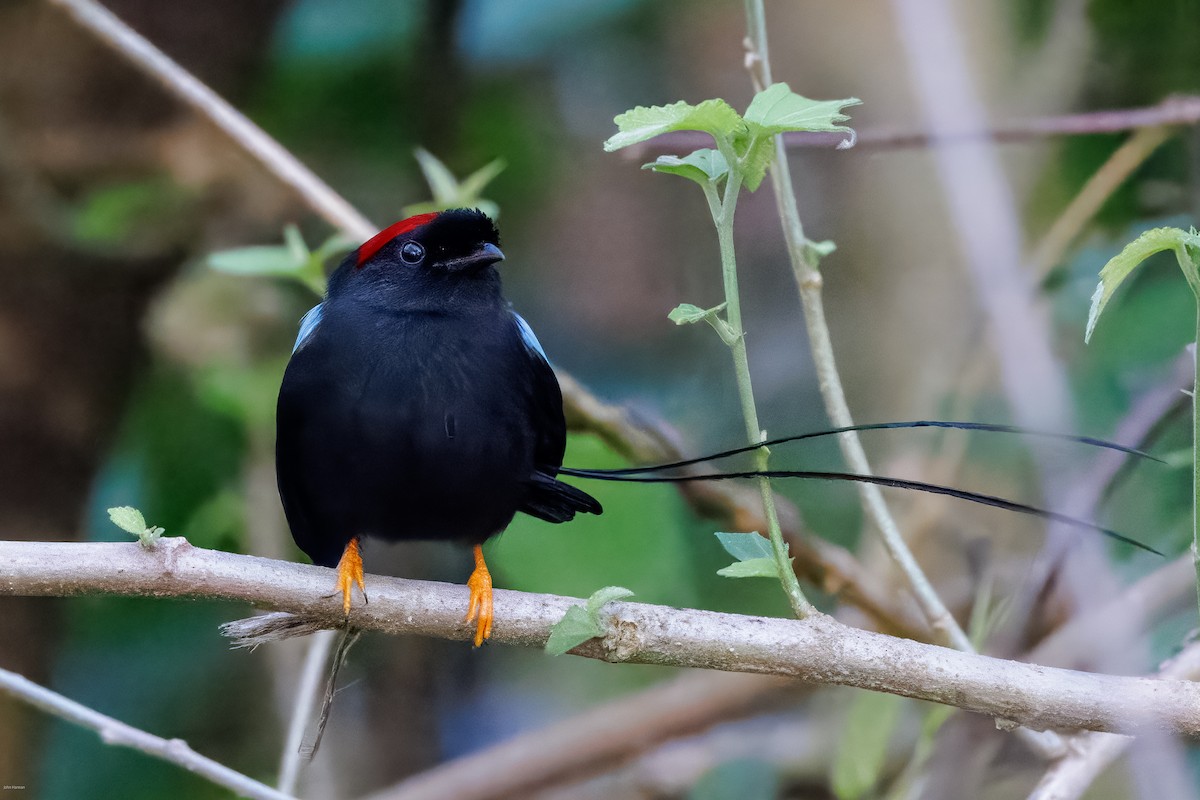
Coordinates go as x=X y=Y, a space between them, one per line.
x=412 y=253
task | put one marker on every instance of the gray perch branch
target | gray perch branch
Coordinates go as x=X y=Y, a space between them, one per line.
x=817 y=650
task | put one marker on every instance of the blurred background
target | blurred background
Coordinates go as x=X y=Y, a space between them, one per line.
x=133 y=374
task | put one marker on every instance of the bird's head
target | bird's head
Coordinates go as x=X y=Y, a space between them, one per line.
x=425 y=261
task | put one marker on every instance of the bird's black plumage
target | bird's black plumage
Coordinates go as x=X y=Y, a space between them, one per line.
x=417 y=404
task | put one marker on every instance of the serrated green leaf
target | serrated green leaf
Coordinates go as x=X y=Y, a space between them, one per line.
x=702 y=166
x=599 y=597
x=861 y=756
x=751 y=568
x=745 y=546
x=575 y=628
x=267 y=260
x=1120 y=266
x=441 y=180
x=777 y=109
x=128 y=518
x=714 y=117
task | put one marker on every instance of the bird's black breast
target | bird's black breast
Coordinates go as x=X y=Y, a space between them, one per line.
x=412 y=426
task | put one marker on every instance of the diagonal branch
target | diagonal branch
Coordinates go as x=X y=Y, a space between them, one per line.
x=117 y=733
x=815 y=650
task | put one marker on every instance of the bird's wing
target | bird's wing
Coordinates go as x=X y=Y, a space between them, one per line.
x=309 y=323
x=548 y=498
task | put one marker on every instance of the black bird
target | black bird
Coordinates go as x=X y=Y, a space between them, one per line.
x=418 y=405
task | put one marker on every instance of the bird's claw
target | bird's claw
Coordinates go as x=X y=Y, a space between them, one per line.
x=480 y=609
x=350 y=572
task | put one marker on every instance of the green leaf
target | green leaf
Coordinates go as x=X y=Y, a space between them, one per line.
x=777 y=109
x=820 y=249
x=1122 y=265
x=441 y=180
x=575 y=628
x=755 y=161
x=608 y=594
x=751 y=568
x=474 y=184
x=740 y=779
x=714 y=117
x=294 y=241
x=745 y=546
x=862 y=753
x=702 y=166
x=128 y=518
x=260 y=260
x=581 y=623
x=688 y=314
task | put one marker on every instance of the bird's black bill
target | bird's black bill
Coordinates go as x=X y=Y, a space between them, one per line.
x=897 y=483
x=880 y=426
x=485 y=255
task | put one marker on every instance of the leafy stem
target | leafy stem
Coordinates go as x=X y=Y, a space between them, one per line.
x=723 y=214
x=744 y=149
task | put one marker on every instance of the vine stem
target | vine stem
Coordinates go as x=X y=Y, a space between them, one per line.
x=723 y=214
x=1196 y=457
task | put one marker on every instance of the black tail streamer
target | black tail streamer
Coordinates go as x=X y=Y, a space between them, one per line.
x=897 y=483
x=879 y=426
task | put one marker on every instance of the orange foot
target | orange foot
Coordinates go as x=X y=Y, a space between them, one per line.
x=480 y=610
x=350 y=572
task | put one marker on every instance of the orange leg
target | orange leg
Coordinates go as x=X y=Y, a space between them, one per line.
x=480 y=611
x=350 y=572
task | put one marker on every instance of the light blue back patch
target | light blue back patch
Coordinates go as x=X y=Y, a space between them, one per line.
x=309 y=323
x=528 y=336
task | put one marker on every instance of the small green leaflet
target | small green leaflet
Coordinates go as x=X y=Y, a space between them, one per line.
x=581 y=623
x=129 y=519
x=688 y=314
x=1183 y=243
x=714 y=117
x=702 y=166
x=755 y=559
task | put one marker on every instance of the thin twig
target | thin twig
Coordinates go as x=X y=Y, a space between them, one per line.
x=1172 y=112
x=319 y=646
x=1089 y=754
x=815 y=650
x=1099 y=187
x=277 y=159
x=809 y=284
x=118 y=734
